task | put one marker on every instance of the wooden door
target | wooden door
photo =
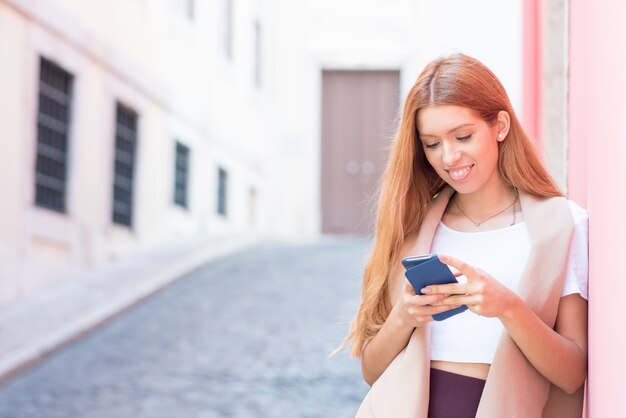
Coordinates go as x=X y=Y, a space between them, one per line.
x=359 y=110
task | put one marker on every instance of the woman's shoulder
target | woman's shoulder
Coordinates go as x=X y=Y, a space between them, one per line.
x=408 y=244
x=579 y=214
x=411 y=237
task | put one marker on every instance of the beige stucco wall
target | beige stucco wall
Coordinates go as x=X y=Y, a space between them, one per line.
x=13 y=122
x=369 y=35
x=173 y=72
x=554 y=129
x=150 y=57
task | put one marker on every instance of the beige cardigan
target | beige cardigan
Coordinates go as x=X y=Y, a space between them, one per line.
x=513 y=388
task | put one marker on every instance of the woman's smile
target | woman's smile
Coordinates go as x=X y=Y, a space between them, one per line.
x=459 y=174
x=461 y=147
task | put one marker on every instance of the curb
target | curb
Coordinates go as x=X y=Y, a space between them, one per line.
x=19 y=360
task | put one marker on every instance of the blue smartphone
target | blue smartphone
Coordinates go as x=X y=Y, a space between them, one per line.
x=424 y=270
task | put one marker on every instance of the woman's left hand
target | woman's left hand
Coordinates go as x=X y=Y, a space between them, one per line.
x=482 y=294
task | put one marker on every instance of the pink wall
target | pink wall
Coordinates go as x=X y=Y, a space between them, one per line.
x=531 y=93
x=597 y=180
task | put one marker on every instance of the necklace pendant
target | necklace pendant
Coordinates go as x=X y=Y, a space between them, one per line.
x=477 y=223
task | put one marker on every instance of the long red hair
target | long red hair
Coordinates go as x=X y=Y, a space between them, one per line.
x=409 y=182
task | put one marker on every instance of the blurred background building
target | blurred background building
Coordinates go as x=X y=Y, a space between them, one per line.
x=130 y=124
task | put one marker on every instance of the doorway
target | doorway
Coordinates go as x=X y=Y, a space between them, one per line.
x=359 y=110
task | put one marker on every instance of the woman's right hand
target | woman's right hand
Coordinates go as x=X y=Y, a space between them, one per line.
x=414 y=310
x=409 y=311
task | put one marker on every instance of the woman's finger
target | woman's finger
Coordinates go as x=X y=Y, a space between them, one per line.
x=408 y=288
x=461 y=300
x=449 y=289
x=433 y=310
x=459 y=265
x=430 y=299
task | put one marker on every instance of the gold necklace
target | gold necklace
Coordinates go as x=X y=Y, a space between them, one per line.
x=477 y=223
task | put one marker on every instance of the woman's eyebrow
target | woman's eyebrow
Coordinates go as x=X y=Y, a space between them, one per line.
x=463 y=125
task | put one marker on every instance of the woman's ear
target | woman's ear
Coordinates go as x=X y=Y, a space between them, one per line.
x=503 y=123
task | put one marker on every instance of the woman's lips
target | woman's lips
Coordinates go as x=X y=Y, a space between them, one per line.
x=460 y=173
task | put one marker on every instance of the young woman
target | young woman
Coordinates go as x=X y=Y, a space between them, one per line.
x=464 y=180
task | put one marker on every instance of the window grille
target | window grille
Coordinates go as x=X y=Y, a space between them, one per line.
x=228 y=28
x=191 y=9
x=222 y=191
x=124 y=165
x=182 y=174
x=53 y=125
x=257 y=54
x=185 y=8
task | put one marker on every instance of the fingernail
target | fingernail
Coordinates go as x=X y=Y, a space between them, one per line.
x=425 y=290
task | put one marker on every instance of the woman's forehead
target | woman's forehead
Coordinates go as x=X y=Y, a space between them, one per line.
x=439 y=120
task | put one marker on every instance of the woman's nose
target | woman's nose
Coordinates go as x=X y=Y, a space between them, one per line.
x=450 y=154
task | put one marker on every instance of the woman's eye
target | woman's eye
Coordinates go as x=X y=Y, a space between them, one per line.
x=464 y=138
x=431 y=146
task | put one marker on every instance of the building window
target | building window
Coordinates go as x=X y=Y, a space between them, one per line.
x=53 y=125
x=257 y=54
x=182 y=175
x=191 y=8
x=253 y=206
x=222 y=191
x=186 y=8
x=228 y=28
x=125 y=146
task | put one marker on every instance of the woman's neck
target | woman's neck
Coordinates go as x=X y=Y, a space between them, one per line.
x=486 y=201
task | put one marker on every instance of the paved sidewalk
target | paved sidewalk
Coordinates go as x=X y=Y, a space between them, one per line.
x=36 y=327
x=242 y=337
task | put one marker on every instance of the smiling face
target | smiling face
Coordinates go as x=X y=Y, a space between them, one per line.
x=462 y=147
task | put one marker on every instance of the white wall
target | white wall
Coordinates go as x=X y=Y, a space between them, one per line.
x=174 y=73
x=370 y=34
x=150 y=56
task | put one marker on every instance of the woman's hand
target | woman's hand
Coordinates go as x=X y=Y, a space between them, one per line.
x=482 y=294
x=416 y=310
x=559 y=353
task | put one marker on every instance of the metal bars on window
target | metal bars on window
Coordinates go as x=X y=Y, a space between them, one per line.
x=222 y=191
x=182 y=174
x=53 y=122
x=191 y=9
x=257 y=60
x=228 y=28
x=124 y=168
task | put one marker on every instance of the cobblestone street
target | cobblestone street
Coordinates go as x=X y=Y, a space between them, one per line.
x=245 y=336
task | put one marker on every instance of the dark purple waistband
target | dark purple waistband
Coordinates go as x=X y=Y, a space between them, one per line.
x=453 y=395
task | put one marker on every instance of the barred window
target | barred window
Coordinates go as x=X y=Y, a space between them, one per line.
x=53 y=122
x=257 y=59
x=191 y=9
x=124 y=168
x=227 y=28
x=182 y=174
x=186 y=8
x=222 y=191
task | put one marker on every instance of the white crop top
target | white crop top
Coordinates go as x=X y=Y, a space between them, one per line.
x=470 y=338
